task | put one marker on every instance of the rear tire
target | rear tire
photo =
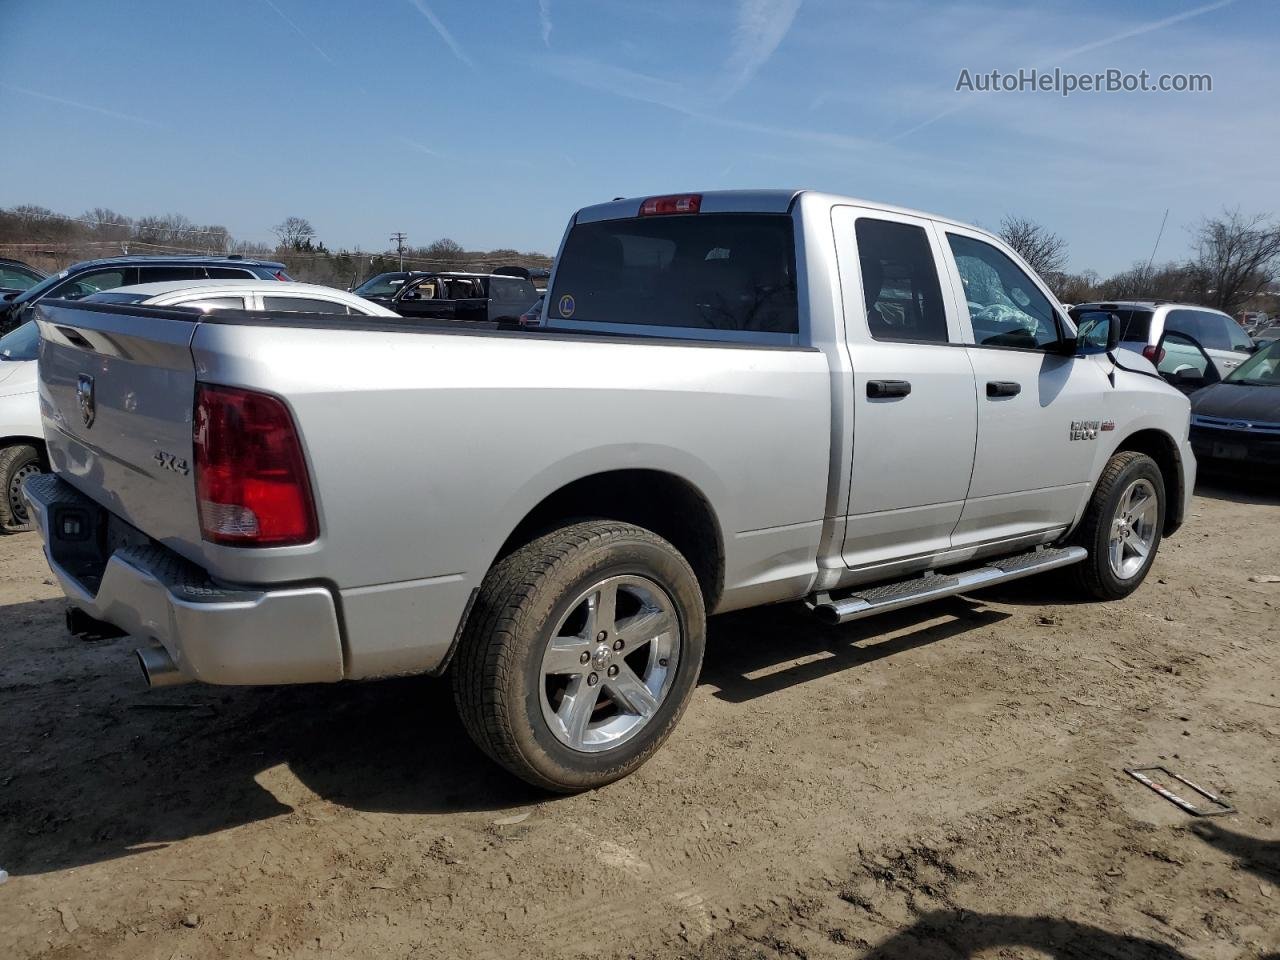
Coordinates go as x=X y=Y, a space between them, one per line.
x=1122 y=528
x=600 y=616
x=17 y=462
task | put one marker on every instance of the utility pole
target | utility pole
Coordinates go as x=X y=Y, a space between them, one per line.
x=399 y=239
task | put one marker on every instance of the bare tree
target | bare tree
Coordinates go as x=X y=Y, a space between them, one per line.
x=295 y=233
x=104 y=223
x=1044 y=250
x=444 y=249
x=1237 y=256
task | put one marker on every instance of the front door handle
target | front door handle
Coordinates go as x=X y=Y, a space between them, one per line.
x=879 y=389
x=1003 y=388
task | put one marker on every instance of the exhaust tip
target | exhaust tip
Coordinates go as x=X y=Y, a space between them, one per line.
x=158 y=668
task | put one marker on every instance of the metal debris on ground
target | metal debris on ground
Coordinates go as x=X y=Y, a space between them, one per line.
x=1219 y=806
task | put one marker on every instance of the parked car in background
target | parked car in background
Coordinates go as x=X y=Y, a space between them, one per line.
x=1253 y=321
x=22 y=448
x=551 y=518
x=1144 y=322
x=1266 y=336
x=1236 y=423
x=91 y=276
x=288 y=296
x=16 y=276
x=467 y=297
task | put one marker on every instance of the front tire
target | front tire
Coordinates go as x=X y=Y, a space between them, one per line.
x=580 y=654
x=1121 y=528
x=17 y=462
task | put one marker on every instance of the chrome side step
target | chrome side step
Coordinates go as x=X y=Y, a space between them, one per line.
x=866 y=602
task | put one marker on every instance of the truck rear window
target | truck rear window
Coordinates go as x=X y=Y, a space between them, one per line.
x=725 y=271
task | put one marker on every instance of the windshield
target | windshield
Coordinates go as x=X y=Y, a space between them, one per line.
x=1262 y=369
x=383 y=285
x=21 y=343
x=38 y=290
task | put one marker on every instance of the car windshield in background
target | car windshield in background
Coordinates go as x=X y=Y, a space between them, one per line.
x=1262 y=369
x=21 y=343
x=724 y=271
x=383 y=285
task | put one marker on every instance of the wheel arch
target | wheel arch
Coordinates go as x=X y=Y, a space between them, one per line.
x=1163 y=449
x=657 y=500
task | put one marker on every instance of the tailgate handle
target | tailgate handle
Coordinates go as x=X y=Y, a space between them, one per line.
x=75 y=337
x=1003 y=388
x=879 y=389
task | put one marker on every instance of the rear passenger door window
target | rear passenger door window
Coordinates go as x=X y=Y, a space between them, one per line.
x=302 y=305
x=165 y=274
x=901 y=292
x=228 y=273
x=1006 y=307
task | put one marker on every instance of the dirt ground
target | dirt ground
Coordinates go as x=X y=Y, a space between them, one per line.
x=946 y=782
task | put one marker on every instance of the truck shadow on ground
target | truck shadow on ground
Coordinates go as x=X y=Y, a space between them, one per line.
x=953 y=934
x=99 y=768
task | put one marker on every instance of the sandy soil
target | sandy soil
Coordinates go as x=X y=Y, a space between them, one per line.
x=946 y=782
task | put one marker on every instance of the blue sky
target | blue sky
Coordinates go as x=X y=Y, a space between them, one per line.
x=491 y=122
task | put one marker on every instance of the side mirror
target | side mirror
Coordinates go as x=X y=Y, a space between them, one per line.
x=1096 y=332
x=410 y=295
x=1188 y=379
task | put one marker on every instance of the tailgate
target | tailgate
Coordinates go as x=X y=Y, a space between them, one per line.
x=117 y=386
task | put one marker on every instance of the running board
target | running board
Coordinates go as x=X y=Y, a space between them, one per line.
x=933 y=586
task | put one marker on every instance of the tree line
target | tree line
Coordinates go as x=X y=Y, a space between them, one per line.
x=1233 y=266
x=52 y=240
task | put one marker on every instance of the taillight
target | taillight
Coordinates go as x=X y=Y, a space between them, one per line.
x=282 y=276
x=676 y=203
x=252 y=486
x=1153 y=353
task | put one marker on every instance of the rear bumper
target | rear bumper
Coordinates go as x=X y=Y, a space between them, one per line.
x=215 y=633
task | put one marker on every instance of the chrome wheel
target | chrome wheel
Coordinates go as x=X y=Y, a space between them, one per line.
x=1133 y=529
x=17 y=506
x=610 y=663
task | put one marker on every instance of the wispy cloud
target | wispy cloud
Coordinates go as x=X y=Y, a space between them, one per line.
x=299 y=31
x=760 y=26
x=102 y=111
x=544 y=20
x=420 y=147
x=1058 y=59
x=445 y=35
x=633 y=85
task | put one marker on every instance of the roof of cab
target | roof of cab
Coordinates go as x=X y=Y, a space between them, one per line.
x=754 y=201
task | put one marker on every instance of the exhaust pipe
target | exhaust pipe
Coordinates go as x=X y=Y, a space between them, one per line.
x=158 y=667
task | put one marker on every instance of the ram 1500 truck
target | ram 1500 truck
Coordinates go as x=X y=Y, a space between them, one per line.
x=738 y=398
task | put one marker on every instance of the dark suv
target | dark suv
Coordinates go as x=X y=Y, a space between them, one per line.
x=470 y=297
x=91 y=276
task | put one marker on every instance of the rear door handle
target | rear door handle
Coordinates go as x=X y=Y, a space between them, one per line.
x=878 y=389
x=1003 y=388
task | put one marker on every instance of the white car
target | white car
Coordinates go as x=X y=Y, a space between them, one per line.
x=244 y=295
x=22 y=450
x=22 y=447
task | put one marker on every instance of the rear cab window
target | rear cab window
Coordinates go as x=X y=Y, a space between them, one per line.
x=900 y=288
x=725 y=276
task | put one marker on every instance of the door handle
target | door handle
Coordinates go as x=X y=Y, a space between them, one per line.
x=1003 y=388
x=879 y=389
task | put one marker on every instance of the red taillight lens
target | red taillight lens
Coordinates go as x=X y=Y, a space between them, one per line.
x=282 y=276
x=677 y=203
x=252 y=486
x=1153 y=353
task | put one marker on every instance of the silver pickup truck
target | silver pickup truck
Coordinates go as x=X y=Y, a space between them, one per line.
x=738 y=398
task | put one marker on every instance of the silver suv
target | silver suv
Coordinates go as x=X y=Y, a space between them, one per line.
x=1144 y=322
